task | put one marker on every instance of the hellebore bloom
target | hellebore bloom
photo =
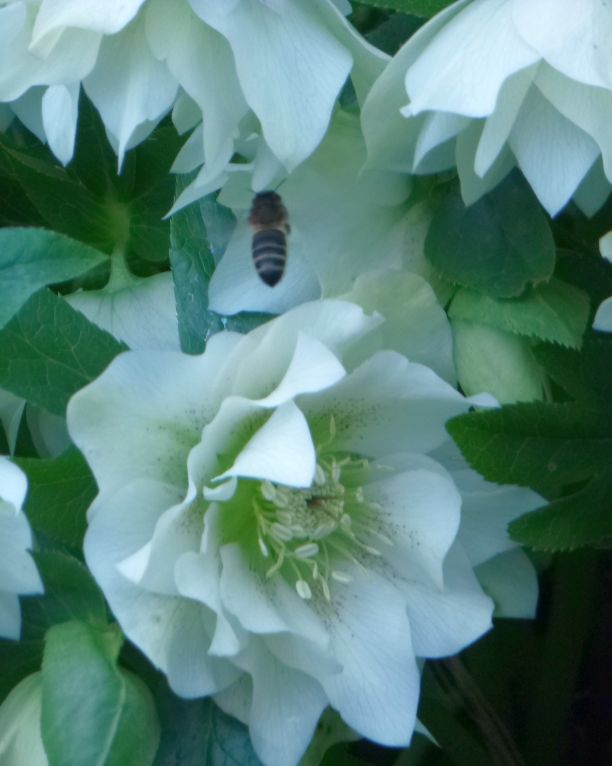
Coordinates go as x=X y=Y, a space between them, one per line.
x=281 y=63
x=18 y=574
x=279 y=523
x=344 y=222
x=491 y=84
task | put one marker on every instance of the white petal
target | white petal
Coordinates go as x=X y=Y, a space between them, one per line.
x=572 y=36
x=312 y=368
x=142 y=315
x=263 y=605
x=235 y=285
x=18 y=573
x=145 y=412
x=11 y=411
x=281 y=450
x=594 y=190
x=438 y=128
x=420 y=512
x=291 y=82
x=603 y=317
x=285 y=709
x=377 y=691
x=386 y=405
x=487 y=511
x=130 y=88
x=13 y=483
x=553 y=153
x=21 y=70
x=445 y=621
x=201 y=60
x=605 y=246
x=498 y=125
x=107 y=18
x=510 y=579
x=587 y=107
x=473 y=186
x=171 y=631
x=28 y=108
x=10 y=616
x=407 y=301
x=465 y=65
x=59 y=115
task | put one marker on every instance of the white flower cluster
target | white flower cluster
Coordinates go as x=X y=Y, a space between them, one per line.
x=492 y=84
x=232 y=65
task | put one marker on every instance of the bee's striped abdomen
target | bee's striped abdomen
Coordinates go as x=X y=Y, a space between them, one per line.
x=269 y=249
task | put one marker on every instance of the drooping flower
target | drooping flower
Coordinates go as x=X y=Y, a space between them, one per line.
x=279 y=64
x=280 y=525
x=18 y=573
x=492 y=84
x=344 y=222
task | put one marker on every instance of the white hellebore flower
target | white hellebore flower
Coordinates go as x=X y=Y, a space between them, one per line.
x=344 y=222
x=491 y=84
x=279 y=523
x=18 y=574
x=282 y=61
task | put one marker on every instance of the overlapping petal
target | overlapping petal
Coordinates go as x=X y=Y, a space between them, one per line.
x=287 y=529
x=534 y=78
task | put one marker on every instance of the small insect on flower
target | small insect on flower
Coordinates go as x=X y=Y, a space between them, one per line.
x=270 y=222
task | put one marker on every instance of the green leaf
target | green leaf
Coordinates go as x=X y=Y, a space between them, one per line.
x=488 y=359
x=93 y=712
x=499 y=245
x=193 y=264
x=98 y=206
x=33 y=258
x=48 y=351
x=70 y=594
x=196 y=732
x=425 y=8
x=192 y=267
x=60 y=491
x=580 y=519
x=554 y=312
x=586 y=375
x=563 y=451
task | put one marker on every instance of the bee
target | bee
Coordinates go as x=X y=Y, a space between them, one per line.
x=270 y=223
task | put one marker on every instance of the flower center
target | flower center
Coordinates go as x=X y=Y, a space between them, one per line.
x=310 y=533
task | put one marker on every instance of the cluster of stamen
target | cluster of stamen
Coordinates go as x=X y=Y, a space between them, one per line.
x=309 y=532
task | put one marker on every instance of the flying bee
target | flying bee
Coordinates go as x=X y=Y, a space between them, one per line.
x=270 y=223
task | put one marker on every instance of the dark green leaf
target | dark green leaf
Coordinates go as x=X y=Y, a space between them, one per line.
x=33 y=258
x=192 y=267
x=98 y=206
x=393 y=32
x=561 y=450
x=70 y=594
x=60 y=490
x=580 y=519
x=92 y=711
x=197 y=732
x=425 y=8
x=48 y=351
x=499 y=245
x=554 y=312
x=587 y=375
